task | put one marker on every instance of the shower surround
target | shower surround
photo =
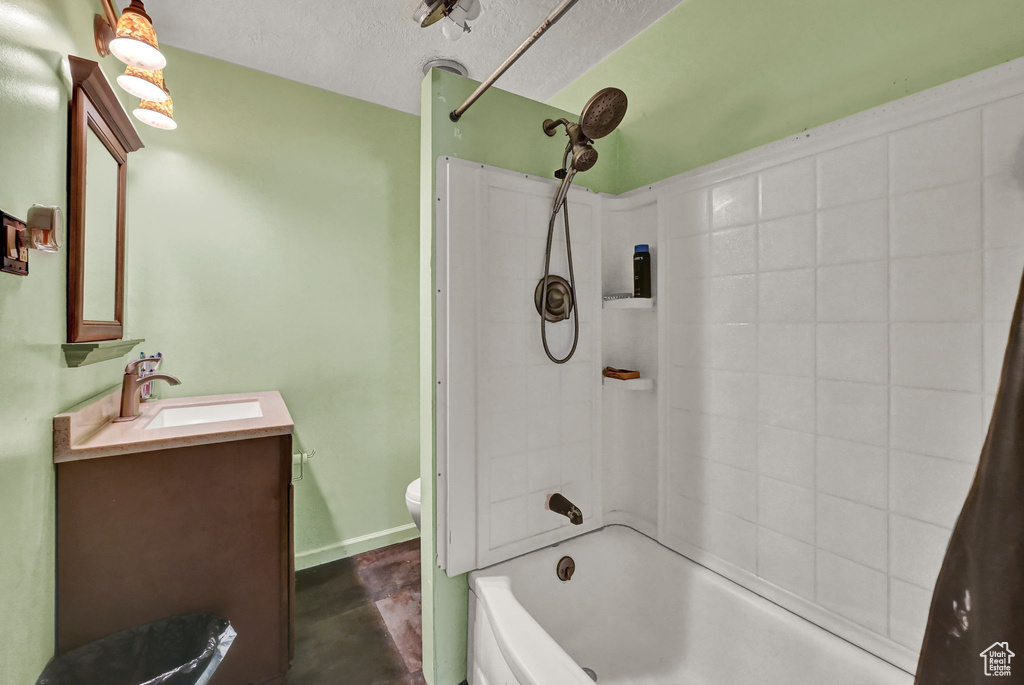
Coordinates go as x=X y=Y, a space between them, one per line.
x=515 y=426
x=830 y=317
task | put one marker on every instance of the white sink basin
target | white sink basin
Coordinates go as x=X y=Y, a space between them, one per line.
x=205 y=413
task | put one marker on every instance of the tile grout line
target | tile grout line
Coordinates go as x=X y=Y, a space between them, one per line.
x=888 y=394
x=814 y=463
x=757 y=377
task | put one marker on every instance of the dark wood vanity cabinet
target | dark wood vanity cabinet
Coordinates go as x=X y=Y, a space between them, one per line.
x=149 y=535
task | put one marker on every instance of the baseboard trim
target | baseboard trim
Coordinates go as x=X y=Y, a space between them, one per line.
x=353 y=546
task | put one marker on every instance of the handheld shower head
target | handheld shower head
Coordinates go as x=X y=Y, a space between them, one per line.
x=603 y=113
x=583 y=157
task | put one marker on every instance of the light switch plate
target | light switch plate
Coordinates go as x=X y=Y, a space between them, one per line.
x=15 y=241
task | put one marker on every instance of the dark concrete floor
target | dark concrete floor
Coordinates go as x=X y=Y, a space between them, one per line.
x=357 y=620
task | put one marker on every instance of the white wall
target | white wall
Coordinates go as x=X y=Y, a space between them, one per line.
x=838 y=309
x=513 y=426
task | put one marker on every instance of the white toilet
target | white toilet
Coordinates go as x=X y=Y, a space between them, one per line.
x=412 y=501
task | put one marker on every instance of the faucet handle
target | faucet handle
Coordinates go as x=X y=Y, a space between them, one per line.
x=132 y=367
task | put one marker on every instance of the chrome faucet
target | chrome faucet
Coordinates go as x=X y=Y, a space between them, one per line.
x=560 y=505
x=131 y=388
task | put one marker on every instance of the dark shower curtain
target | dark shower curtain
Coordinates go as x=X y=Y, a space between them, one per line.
x=976 y=624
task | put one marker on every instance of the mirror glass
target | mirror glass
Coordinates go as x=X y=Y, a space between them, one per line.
x=100 y=280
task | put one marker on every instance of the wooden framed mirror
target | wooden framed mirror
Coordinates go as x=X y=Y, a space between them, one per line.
x=101 y=137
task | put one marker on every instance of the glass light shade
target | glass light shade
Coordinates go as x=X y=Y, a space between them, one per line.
x=135 y=41
x=145 y=85
x=157 y=114
x=472 y=9
x=452 y=31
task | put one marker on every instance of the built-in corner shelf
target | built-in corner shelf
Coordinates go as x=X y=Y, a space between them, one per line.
x=82 y=354
x=630 y=303
x=630 y=384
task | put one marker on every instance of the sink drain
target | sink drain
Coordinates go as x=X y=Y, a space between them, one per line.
x=592 y=673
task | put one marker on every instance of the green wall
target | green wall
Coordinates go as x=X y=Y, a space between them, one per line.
x=273 y=246
x=714 y=78
x=502 y=130
x=35 y=384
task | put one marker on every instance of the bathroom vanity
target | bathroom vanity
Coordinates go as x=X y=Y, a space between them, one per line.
x=187 y=508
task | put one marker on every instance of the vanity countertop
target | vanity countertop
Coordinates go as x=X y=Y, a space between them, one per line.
x=87 y=431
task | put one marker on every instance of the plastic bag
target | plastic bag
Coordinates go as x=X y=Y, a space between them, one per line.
x=183 y=650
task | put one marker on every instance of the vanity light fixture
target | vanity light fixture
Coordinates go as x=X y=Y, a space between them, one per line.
x=134 y=41
x=143 y=84
x=131 y=38
x=157 y=114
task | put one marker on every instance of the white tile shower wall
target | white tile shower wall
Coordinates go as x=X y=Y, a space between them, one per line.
x=836 y=327
x=519 y=427
x=534 y=423
x=830 y=324
x=629 y=341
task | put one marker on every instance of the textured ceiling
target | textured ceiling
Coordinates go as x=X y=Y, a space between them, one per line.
x=374 y=51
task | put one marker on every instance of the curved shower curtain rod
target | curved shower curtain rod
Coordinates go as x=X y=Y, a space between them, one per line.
x=511 y=59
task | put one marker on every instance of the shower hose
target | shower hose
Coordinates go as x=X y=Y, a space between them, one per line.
x=571 y=307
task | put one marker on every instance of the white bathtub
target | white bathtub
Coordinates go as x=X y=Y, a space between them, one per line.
x=636 y=612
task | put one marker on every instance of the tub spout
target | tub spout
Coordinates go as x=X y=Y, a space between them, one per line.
x=560 y=505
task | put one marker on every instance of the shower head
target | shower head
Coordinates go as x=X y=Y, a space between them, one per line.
x=584 y=157
x=603 y=113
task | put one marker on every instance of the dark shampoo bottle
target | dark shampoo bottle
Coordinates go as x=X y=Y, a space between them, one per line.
x=642 y=271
